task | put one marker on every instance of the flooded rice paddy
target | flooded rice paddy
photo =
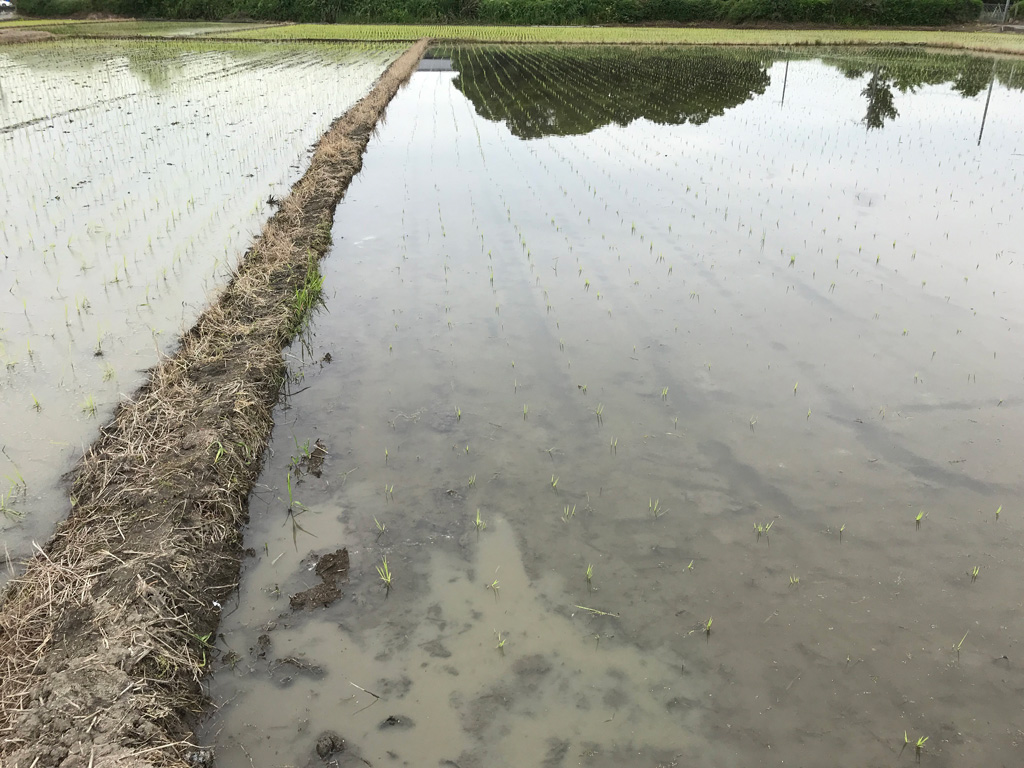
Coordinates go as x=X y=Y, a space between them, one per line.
x=679 y=390
x=134 y=177
x=677 y=395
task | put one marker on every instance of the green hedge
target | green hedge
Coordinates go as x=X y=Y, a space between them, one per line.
x=838 y=12
x=842 y=12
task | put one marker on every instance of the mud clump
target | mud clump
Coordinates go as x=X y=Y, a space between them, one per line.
x=400 y=722
x=331 y=568
x=329 y=744
x=284 y=671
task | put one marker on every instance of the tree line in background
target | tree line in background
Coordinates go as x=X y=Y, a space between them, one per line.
x=832 y=12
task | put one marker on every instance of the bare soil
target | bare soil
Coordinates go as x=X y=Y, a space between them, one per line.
x=8 y=36
x=108 y=631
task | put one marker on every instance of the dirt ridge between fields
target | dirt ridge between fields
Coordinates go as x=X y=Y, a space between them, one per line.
x=107 y=632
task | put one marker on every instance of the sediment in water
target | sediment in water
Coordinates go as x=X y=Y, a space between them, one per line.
x=106 y=634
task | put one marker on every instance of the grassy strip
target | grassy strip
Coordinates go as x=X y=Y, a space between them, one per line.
x=983 y=41
x=105 y=636
x=159 y=29
x=38 y=22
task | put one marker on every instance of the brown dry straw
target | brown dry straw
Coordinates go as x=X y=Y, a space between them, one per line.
x=104 y=637
x=11 y=36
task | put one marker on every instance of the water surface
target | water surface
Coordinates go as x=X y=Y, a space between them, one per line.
x=737 y=330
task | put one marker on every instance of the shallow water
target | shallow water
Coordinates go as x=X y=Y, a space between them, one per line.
x=134 y=177
x=755 y=290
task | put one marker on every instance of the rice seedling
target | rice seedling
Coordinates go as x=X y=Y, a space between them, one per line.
x=568 y=514
x=554 y=484
x=664 y=393
x=654 y=508
x=458 y=413
x=841 y=529
x=998 y=510
x=599 y=412
x=494 y=586
x=382 y=528
x=919 y=747
x=590 y=573
x=794 y=581
x=959 y=645
x=707 y=629
x=472 y=480
x=974 y=573
x=501 y=643
x=762 y=529
x=918 y=519
x=689 y=566
x=526 y=410
x=613 y=445
x=384 y=571
x=7 y=508
x=479 y=523
x=88 y=406
x=35 y=403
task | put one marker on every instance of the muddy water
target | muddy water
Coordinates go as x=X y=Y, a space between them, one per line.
x=757 y=292
x=134 y=177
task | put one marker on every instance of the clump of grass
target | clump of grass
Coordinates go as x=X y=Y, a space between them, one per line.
x=309 y=294
x=384 y=571
x=88 y=406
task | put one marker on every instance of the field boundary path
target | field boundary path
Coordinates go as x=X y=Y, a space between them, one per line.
x=106 y=634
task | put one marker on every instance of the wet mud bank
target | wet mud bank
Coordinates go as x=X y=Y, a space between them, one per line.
x=108 y=630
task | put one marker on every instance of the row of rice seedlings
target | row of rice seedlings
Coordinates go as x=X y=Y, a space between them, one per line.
x=695 y=36
x=138 y=177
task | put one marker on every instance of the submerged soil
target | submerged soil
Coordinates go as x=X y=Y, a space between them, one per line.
x=105 y=635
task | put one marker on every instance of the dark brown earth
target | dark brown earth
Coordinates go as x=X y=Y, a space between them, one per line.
x=331 y=568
